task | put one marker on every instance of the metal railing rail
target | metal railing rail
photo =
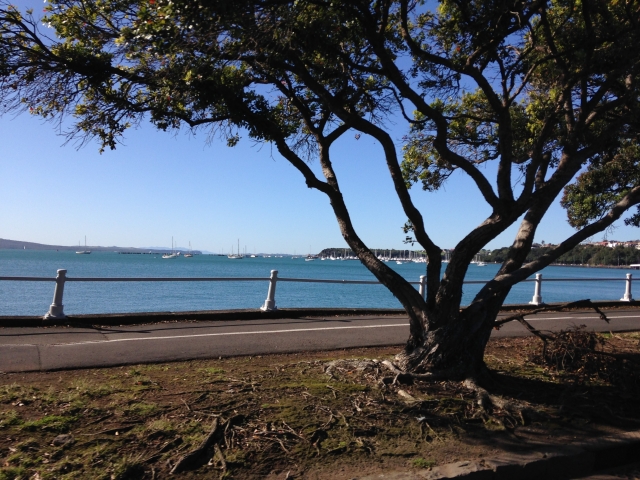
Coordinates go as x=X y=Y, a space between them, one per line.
x=138 y=279
x=56 y=309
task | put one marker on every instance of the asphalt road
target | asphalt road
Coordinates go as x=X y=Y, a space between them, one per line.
x=53 y=348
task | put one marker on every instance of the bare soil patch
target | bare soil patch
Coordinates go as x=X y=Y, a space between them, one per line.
x=300 y=416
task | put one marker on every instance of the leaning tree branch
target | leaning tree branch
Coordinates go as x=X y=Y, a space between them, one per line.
x=406 y=294
x=587 y=303
x=391 y=158
x=631 y=199
x=550 y=337
x=539 y=202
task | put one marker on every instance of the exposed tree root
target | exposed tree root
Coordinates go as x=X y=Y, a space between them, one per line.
x=374 y=366
x=407 y=377
x=485 y=400
x=344 y=365
x=205 y=451
x=573 y=350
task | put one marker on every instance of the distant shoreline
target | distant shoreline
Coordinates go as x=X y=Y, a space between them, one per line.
x=6 y=244
x=617 y=267
x=582 y=265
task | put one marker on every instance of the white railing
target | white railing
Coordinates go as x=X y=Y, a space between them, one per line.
x=56 y=310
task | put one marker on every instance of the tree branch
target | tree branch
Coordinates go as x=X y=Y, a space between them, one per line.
x=509 y=279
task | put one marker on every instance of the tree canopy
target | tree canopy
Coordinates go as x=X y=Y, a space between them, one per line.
x=545 y=90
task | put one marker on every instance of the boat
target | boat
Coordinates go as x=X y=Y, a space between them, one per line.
x=309 y=258
x=172 y=254
x=85 y=251
x=188 y=255
x=236 y=256
x=479 y=262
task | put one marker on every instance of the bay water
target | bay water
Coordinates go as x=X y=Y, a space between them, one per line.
x=34 y=298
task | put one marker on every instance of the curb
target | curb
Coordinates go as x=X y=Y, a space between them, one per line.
x=551 y=462
x=143 y=318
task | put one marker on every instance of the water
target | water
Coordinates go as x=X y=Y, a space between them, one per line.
x=34 y=298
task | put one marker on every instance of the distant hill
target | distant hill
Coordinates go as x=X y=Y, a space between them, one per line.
x=20 y=245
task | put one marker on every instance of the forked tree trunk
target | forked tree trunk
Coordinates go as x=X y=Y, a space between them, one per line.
x=442 y=340
x=455 y=348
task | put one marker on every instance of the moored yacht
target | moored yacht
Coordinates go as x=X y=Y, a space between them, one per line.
x=189 y=254
x=236 y=256
x=85 y=251
x=172 y=254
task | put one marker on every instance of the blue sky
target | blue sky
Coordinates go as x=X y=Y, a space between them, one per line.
x=159 y=185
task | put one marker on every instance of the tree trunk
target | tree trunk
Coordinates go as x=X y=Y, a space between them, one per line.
x=455 y=349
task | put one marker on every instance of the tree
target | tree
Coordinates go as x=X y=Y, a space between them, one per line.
x=544 y=92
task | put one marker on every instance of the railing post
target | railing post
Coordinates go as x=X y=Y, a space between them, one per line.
x=423 y=286
x=537 y=297
x=627 y=291
x=56 y=310
x=270 y=302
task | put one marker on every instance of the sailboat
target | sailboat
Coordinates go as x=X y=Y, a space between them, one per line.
x=479 y=262
x=236 y=256
x=172 y=254
x=309 y=258
x=85 y=251
x=188 y=255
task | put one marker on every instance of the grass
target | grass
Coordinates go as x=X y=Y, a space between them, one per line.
x=284 y=415
x=422 y=463
x=50 y=423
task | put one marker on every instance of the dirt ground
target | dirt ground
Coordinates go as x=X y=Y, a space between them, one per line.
x=300 y=416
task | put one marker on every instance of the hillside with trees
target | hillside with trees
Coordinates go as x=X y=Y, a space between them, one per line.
x=592 y=255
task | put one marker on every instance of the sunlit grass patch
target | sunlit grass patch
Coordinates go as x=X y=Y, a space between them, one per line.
x=91 y=388
x=50 y=423
x=10 y=418
x=15 y=392
x=13 y=473
x=160 y=427
x=140 y=409
x=423 y=463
